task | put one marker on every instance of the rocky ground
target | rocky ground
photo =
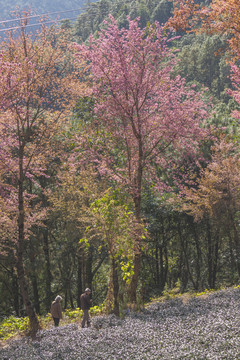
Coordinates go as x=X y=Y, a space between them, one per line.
x=200 y=328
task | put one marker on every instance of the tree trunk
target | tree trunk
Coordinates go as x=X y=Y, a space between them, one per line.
x=79 y=277
x=199 y=253
x=47 y=270
x=89 y=263
x=186 y=260
x=112 y=299
x=210 y=253
x=236 y=241
x=213 y=254
x=71 y=297
x=34 y=323
x=15 y=287
x=232 y=258
x=157 y=263
x=34 y=278
x=33 y=320
x=163 y=269
x=166 y=265
x=134 y=281
x=68 y=292
x=65 y=299
x=137 y=257
x=115 y=287
x=215 y=262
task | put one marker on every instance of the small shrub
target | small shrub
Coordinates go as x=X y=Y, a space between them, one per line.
x=12 y=326
x=96 y=310
x=77 y=313
x=74 y=314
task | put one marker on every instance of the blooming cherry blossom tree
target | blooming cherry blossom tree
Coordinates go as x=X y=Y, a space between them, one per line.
x=143 y=111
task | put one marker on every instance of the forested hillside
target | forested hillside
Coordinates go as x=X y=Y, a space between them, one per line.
x=148 y=11
x=119 y=158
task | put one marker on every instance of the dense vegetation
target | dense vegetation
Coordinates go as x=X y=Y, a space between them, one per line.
x=85 y=201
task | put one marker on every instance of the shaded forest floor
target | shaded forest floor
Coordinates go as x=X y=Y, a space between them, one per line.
x=203 y=327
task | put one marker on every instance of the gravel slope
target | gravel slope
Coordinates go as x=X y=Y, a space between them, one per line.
x=203 y=328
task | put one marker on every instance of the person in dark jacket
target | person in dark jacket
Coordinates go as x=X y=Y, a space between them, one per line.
x=56 y=310
x=86 y=303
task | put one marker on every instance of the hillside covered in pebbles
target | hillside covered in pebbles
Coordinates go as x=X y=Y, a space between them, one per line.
x=201 y=328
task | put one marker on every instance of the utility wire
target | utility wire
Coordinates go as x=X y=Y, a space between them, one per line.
x=39 y=15
x=39 y=24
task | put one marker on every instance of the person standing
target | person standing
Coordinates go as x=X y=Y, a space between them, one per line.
x=86 y=303
x=56 y=310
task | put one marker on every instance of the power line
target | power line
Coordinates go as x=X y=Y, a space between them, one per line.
x=31 y=25
x=39 y=15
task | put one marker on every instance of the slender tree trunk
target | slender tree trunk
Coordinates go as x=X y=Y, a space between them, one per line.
x=215 y=262
x=34 y=278
x=79 y=277
x=110 y=296
x=157 y=264
x=115 y=287
x=236 y=241
x=65 y=299
x=47 y=270
x=89 y=267
x=134 y=281
x=112 y=299
x=210 y=256
x=137 y=257
x=15 y=290
x=181 y=269
x=199 y=253
x=163 y=258
x=34 y=323
x=232 y=258
x=35 y=293
x=84 y=270
x=68 y=292
x=71 y=297
x=163 y=267
x=186 y=261
x=166 y=265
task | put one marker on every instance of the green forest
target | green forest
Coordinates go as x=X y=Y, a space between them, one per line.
x=119 y=159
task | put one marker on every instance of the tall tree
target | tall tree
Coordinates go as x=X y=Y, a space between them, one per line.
x=38 y=86
x=146 y=114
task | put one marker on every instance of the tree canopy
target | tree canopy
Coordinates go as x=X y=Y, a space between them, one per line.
x=119 y=158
